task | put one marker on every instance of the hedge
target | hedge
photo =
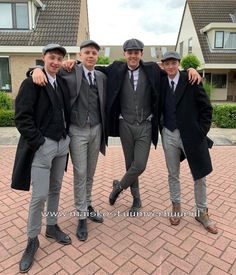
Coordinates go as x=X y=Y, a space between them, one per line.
x=5 y=101
x=7 y=118
x=224 y=115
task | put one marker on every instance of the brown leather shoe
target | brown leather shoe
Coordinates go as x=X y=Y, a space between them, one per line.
x=204 y=219
x=175 y=214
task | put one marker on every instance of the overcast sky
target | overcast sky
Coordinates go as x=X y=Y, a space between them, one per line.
x=155 y=22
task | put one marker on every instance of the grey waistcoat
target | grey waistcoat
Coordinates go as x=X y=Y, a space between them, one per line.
x=136 y=105
x=86 y=108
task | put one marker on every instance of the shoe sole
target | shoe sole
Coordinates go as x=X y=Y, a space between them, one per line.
x=60 y=242
x=97 y=221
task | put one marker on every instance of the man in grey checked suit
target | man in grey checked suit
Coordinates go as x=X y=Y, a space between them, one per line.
x=87 y=130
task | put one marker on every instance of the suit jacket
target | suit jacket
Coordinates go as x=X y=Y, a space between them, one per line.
x=74 y=81
x=116 y=73
x=193 y=115
x=33 y=112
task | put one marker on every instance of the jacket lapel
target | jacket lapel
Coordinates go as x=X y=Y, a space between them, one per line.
x=180 y=88
x=100 y=87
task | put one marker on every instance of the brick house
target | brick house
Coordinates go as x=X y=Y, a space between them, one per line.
x=208 y=30
x=27 y=25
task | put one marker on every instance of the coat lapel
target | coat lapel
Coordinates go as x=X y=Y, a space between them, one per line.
x=180 y=88
x=100 y=87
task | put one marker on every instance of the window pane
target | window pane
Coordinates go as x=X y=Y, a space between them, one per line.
x=219 y=38
x=107 y=52
x=219 y=80
x=5 y=16
x=181 y=49
x=22 y=16
x=230 y=40
x=5 y=79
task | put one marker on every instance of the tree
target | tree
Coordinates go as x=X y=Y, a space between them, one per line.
x=190 y=61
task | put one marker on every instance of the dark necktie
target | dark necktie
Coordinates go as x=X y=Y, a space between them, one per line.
x=90 y=78
x=132 y=78
x=172 y=86
x=55 y=85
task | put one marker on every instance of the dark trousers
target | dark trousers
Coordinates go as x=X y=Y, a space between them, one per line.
x=136 y=142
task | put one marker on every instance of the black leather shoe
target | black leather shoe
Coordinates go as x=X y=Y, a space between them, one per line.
x=54 y=232
x=116 y=190
x=94 y=215
x=82 y=233
x=28 y=256
x=134 y=210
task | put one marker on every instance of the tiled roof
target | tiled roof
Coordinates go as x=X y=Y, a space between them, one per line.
x=58 y=23
x=208 y=11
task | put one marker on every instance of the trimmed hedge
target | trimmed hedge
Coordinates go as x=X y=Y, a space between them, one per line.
x=5 y=101
x=7 y=118
x=224 y=115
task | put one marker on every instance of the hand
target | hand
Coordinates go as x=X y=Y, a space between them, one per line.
x=68 y=64
x=194 y=76
x=39 y=77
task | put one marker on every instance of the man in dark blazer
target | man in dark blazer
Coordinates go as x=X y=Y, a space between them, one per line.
x=87 y=92
x=42 y=117
x=132 y=114
x=185 y=122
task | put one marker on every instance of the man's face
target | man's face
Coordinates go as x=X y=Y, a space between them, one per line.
x=89 y=56
x=171 y=67
x=133 y=58
x=53 y=62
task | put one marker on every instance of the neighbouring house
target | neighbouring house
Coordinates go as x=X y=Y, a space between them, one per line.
x=150 y=53
x=27 y=25
x=208 y=30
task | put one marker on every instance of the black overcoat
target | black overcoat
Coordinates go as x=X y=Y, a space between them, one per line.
x=115 y=77
x=33 y=112
x=193 y=115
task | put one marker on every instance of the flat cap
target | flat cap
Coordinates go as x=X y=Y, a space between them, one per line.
x=170 y=55
x=87 y=43
x=133 y=44
x=51 y=47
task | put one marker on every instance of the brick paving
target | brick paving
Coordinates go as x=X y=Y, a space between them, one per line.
x=124 y=245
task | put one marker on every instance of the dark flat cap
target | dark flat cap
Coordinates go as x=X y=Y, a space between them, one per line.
x=51 y=47
x=87 y=43
x=170 y=55
x=133 y=44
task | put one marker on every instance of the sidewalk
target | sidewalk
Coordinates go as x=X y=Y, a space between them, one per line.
x=220 y=136
x=122 y=245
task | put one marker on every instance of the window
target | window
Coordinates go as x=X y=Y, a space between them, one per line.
x=107 y=52
x=219 y=39
x=225 y=40
x=181 y=49
x=219 y=80
x=39 y=62
x=14 y=16
x=190 y=45
x=5 y=78
x=153 y=52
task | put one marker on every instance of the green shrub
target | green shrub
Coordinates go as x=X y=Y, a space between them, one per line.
x=224 y=115
x=103 y=60
x=190 y=61
x=208 y=87
x=5 y=101
x=7 y=118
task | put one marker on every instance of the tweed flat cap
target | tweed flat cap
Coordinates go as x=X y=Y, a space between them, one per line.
x=170 y=55
x=87 y=43
x=133 y=44
x=51 y=47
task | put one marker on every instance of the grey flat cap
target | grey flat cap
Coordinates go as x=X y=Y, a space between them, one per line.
x=170 y=55
x=87 y=43
x=133 y=44
x=51 y=47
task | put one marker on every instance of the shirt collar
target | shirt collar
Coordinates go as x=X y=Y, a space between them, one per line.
x=175 y=79
x=50 y=78
x=86 y=71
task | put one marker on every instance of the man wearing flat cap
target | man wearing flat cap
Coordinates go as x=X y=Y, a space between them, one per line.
x=132 y=113
x=42 y=118
x=87 y=90
x=185 y=122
